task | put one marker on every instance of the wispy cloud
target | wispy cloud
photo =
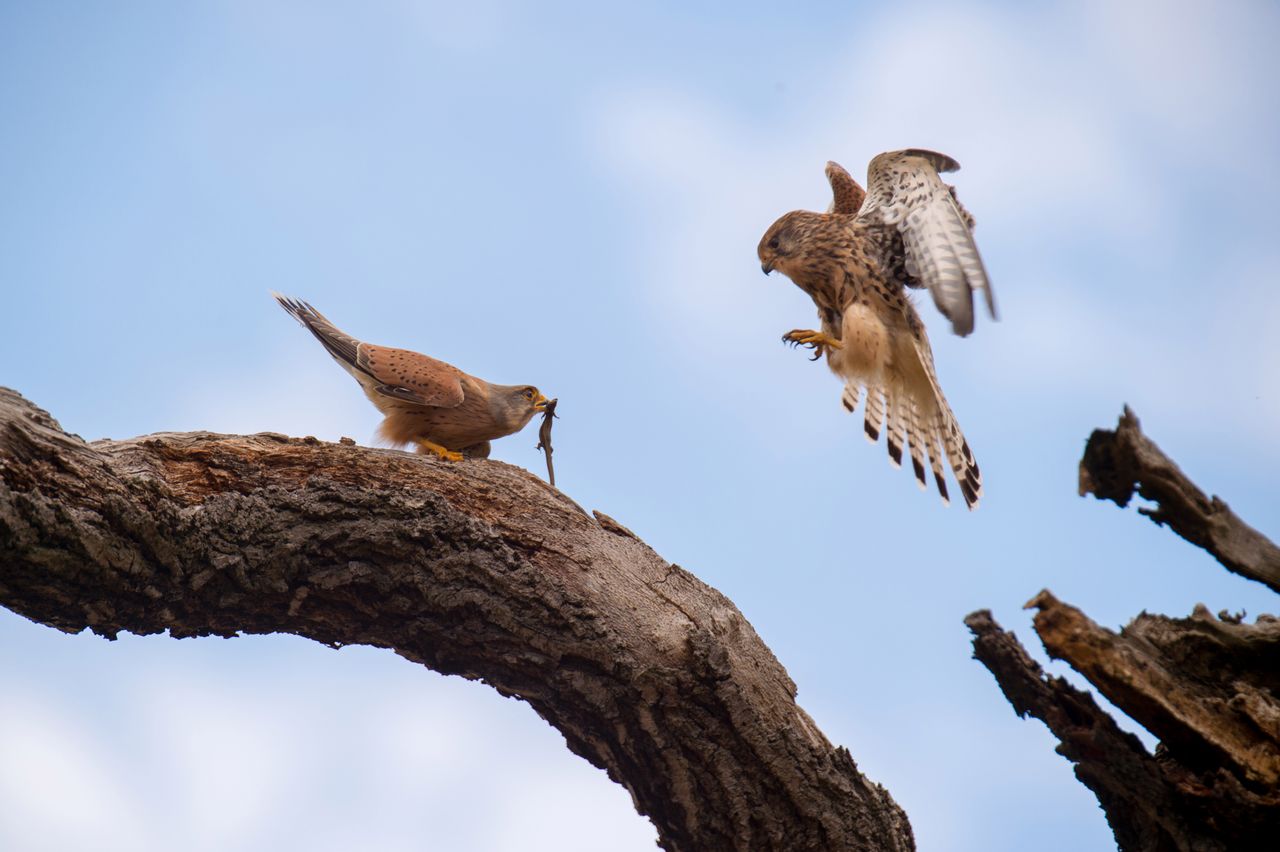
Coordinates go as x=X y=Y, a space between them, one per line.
x=245 y=758
x=1077 y=217
x=59 y=776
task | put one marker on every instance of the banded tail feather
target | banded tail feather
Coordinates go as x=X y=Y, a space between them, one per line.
x=931 y=436
x=896 y=433
x=915 y=434
x=934 y=446
x=874 y=413
x=963 y=464
x=849 y=397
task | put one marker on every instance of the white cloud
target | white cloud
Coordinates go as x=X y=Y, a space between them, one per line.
x=231 y=761
x=197 y=747
x=58 y=785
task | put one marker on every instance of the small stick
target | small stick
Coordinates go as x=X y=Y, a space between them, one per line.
x=544 y=437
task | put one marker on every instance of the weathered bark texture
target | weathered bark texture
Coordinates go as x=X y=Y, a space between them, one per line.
x=1115 y=464
x=1208 y=688
x=474 y=568
x=1144 y=808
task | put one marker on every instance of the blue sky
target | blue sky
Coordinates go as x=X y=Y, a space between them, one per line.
x=571 y=195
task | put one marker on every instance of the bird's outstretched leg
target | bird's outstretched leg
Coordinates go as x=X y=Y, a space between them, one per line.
x=425 y=446
x=818 y=341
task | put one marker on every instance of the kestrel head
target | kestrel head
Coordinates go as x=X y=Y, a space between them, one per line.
x=785 y=240
x=515 y=405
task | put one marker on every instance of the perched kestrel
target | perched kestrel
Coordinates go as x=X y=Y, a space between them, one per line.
x=427 y=403
x=855 y=261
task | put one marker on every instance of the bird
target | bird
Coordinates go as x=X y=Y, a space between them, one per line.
x=856 y=261
x=426 y=403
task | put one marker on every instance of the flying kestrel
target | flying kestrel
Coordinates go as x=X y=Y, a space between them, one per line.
x=855 y=261
x=427 y=403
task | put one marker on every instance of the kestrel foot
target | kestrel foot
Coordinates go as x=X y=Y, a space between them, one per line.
x=435 y=449
x=818 y=341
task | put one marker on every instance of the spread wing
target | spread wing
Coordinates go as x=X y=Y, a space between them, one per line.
x=905 y=191
x=846 y=195
x=395 y=373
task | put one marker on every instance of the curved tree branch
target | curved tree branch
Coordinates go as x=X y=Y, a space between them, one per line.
x=1115 y=464
x=474 y=568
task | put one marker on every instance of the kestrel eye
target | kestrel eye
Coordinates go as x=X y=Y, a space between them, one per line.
x=528 y=394
x=773 y=243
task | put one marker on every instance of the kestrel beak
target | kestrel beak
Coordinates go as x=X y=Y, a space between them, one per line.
x=540 y=404
x=767 y=266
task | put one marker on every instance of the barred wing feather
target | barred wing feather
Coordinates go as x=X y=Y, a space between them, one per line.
x=905 y=191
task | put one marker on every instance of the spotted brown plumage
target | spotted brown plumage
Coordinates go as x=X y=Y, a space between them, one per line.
x=427 y=403
x=846 y=195
x=908 y=230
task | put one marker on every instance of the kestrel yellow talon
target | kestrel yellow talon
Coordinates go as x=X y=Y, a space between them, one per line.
x=425 y=447
x=808 y=337
x=818 y=341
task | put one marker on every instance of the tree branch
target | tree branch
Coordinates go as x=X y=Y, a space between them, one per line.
x=474 y=568
x=1208 y=688
x=1198 y=792
x=1115 y=464
x=1143 y=808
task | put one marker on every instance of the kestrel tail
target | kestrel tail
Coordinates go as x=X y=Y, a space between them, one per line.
x=907 y=230
x=427 y=403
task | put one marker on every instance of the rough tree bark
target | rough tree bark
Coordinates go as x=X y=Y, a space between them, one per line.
x=474 y=568
x=1118 y=463
x=1208 y=688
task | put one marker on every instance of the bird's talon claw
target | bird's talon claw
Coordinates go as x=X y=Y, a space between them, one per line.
x=439 y=451
x=818 y=341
